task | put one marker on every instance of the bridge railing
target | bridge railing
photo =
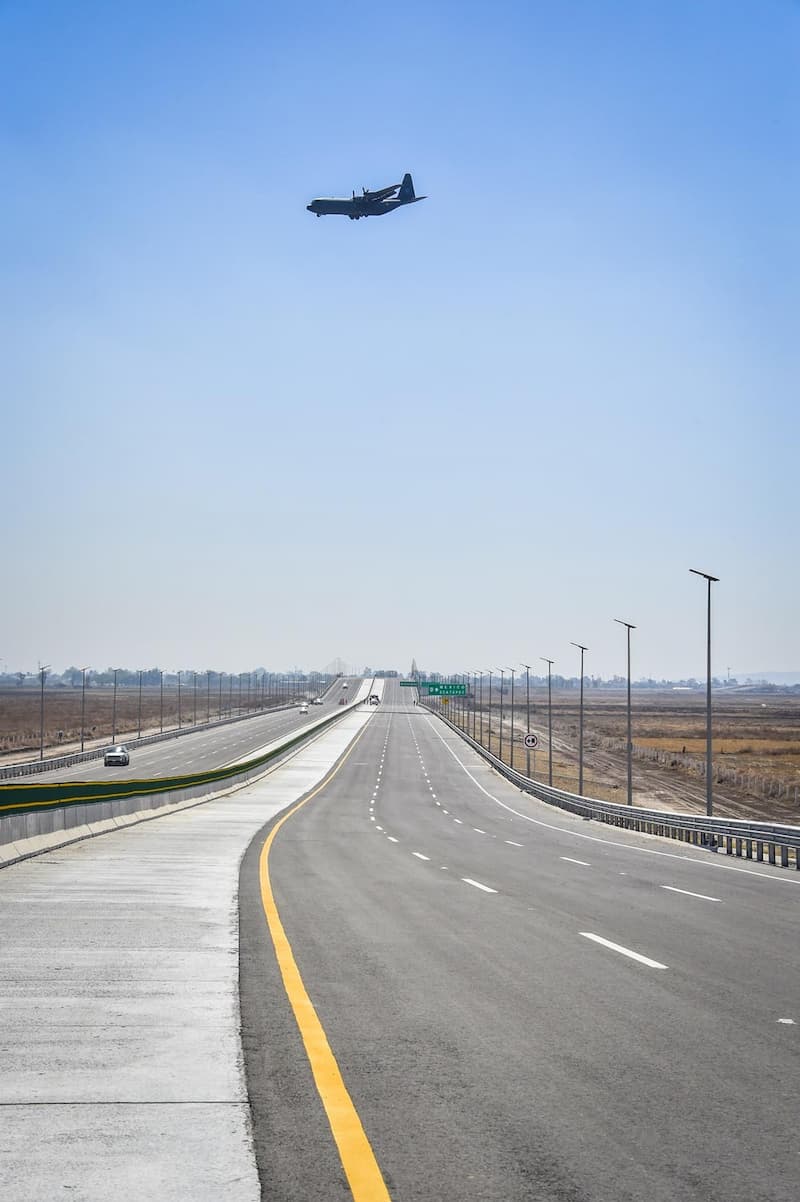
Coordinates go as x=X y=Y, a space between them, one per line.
x=776 y=842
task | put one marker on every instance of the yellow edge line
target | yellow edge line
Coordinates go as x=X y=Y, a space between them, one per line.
x=358 y=1160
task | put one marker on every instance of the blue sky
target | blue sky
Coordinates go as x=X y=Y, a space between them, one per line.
x=470 y=431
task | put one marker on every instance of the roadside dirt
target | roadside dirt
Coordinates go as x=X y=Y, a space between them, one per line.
x=756 y=740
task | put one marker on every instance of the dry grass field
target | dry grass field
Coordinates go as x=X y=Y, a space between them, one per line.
x=756 y=748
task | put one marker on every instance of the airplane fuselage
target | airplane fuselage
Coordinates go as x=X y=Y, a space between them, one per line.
x=369 y=204
x=326 y=206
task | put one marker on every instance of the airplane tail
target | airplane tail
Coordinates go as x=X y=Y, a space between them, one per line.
x=406 y=192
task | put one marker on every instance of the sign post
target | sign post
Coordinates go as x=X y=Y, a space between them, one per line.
x=532 y=742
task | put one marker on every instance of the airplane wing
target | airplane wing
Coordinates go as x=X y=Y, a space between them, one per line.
x=381 y=193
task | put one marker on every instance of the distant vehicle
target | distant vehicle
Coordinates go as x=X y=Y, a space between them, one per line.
x=342 y=701
x=317 y=701
x=368 y=204
x=303 y=709
x=116 y=755
x=344 y=686
x=374 y=699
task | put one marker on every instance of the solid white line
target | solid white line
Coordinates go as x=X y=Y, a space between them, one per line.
x=469 y=881
x=511 y=843
x=570 y=860
x=647 y=851
x=419 y=855
x=623 y=951
x=702 y=896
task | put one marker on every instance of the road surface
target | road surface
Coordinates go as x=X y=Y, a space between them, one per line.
x=521 y=1004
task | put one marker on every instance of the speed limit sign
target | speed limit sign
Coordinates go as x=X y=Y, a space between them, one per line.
x=531 y=741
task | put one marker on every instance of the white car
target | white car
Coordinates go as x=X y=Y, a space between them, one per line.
x=317 y=701
x=303 y=709
x=116 y=755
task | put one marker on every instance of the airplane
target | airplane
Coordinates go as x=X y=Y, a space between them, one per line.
x=369 y=204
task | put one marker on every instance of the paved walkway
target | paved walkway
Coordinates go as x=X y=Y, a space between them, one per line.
x=122 y=1070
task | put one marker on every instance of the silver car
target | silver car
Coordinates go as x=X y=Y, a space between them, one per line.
x=116 y=755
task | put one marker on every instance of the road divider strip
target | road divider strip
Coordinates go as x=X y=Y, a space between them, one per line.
x=37 y=798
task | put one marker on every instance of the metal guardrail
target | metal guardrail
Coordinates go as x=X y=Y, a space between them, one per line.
x=736 y=836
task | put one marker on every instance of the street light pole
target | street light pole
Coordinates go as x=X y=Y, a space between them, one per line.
x=581 y=648
x=480 y=711
x=161 y=681
x=139 y=714
x=629 y=627
x=502 y=672
x=179 y=698
x=490 y=673
x=114 y=709
x=512 y=671
x=549 y=663
x=709 y=768
x=83 y=703
x=527 y=668
x=42 y=674
x=208 y=695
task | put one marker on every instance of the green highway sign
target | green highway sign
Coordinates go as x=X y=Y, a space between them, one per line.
x=435 y=688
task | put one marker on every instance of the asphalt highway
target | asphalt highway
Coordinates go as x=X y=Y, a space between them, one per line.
x=205 y=748
x=521 y=1004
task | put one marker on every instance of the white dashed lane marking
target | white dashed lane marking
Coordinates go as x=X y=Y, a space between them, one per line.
x=477 y=885
x=419 y=855
x=570 y=860
x=686 y=893
x=623 y=951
